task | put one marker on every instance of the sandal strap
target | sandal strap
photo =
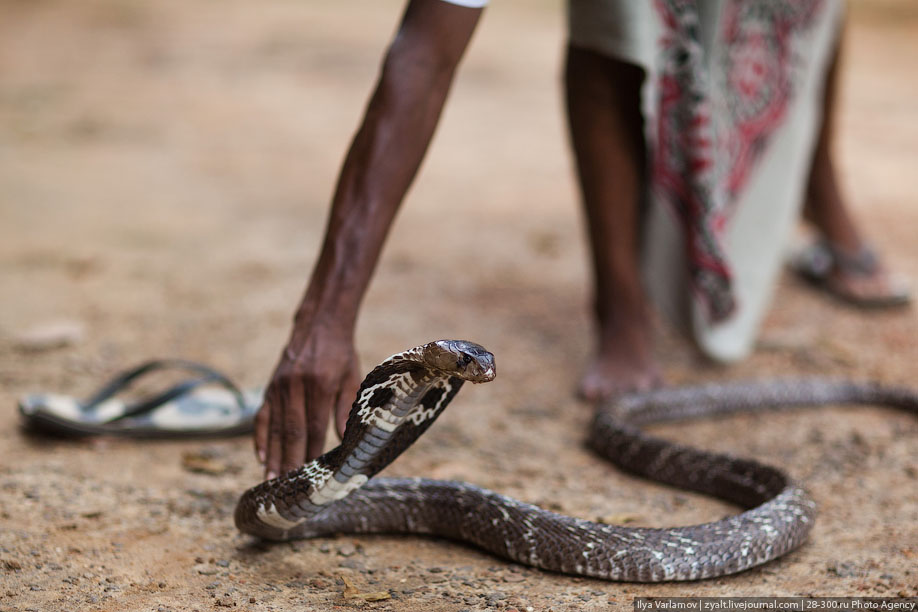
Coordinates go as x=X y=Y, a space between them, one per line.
x=125 y=379
x=863 y=262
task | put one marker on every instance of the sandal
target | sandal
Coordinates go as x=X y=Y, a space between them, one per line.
x=187 y=409
x=821 y=263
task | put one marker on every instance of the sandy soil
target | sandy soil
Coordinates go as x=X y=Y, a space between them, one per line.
x=164 y=175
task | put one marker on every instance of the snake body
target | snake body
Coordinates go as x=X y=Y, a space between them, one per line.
x=402 y=396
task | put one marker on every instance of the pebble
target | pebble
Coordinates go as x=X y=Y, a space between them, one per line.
x=842 y=570
x=203 y=462
x=347 y=550
x=51 y=335
x=353 y=564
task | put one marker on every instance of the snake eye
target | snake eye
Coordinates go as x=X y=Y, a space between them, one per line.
x=466 y=359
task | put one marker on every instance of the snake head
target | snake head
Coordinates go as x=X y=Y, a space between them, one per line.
x=462 y=359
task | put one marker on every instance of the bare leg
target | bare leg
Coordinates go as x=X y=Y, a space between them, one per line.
x=606 y=126
x=827 y=211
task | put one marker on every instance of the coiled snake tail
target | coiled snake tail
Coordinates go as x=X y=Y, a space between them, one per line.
x=402 y=396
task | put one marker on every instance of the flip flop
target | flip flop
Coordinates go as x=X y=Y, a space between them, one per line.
x=816 y=263
x=187 y=409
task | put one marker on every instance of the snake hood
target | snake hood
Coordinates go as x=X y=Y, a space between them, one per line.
x=460 y=358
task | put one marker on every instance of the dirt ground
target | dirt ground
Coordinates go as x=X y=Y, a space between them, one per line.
x=165 y=170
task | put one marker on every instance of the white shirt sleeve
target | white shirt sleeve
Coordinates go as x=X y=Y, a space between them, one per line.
x=469 y=3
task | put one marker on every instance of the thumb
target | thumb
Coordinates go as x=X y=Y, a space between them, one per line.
x=349 y=387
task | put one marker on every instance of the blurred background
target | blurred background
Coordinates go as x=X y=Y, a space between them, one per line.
x=165 y=173
x=167 y=166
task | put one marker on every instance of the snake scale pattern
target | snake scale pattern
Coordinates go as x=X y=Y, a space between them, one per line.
x=402 y=396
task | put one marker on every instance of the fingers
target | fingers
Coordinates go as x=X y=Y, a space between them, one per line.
x=293 y=433
x=275 y=433
x=345 y=399
x=291 y=426
x=320 y=400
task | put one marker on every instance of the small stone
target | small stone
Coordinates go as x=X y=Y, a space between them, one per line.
x=222 y=563
x=842 y=570
x=204 y=462
x=347 y=550
x=353 y=564
x=514 y=578
x=50 y=335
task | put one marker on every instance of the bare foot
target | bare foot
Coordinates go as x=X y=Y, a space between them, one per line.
x=623 y=363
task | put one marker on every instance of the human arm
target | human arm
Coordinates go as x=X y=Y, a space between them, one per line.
x=317 y=371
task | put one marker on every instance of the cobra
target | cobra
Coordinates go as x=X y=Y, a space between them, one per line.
x=402 y=396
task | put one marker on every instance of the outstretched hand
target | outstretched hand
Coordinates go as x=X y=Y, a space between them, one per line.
x=317 y=373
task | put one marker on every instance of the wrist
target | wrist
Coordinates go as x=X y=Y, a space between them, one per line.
x=315 y=325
